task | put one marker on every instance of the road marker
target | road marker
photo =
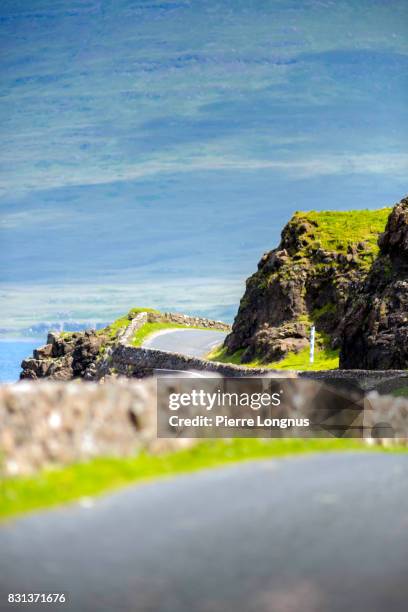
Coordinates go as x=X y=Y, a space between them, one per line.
x=312 y=343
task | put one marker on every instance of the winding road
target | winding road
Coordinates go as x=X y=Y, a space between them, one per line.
x=190 y=342
x=323 y=533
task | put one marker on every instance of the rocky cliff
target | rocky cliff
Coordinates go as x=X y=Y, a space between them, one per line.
x=344 y=272
x=374 y=332
x=313 y=276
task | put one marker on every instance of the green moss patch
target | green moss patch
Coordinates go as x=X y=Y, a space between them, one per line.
x=324 y=359
x=60 y=486
x=220 y=353
x=339 y=230
x=327 y=309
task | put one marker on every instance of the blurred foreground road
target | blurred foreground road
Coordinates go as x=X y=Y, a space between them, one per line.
x=191 y=342
x=325 y=533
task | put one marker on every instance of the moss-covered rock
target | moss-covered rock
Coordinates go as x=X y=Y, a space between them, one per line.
x=69 y=355
x=65 y=356
x=308 y=278
x=374 y=332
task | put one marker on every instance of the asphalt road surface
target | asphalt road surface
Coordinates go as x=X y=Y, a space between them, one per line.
x=324 y=533
x=191 y=342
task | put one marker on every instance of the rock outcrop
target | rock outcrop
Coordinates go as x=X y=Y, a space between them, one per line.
x=88 y=354
x=308 y=278
x=65 y=356
x=374 y=332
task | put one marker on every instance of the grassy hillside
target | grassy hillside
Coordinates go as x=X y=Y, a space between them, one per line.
x=337 y=231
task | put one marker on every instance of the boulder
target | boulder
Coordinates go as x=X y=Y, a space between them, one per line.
x=64 y=357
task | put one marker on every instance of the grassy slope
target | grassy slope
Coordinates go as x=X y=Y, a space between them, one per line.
x=124 y=321
x=336 y=230
x=117 y=325
x=59 y=486
x=325 y=359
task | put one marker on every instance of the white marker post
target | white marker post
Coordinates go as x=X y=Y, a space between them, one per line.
x=312 y=343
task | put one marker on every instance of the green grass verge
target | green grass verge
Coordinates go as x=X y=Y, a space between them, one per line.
x=151 y=328
x=54 y=487
x=325 y=359
x=124 y=321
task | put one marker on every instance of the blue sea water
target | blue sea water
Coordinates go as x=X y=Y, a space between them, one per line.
x=12 y=352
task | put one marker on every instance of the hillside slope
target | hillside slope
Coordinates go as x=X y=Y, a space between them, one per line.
x=322 y=259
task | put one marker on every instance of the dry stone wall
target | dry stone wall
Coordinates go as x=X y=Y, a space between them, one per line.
x=123 y=359
x=45 y=424
x=190 y=321
x=138 y=362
